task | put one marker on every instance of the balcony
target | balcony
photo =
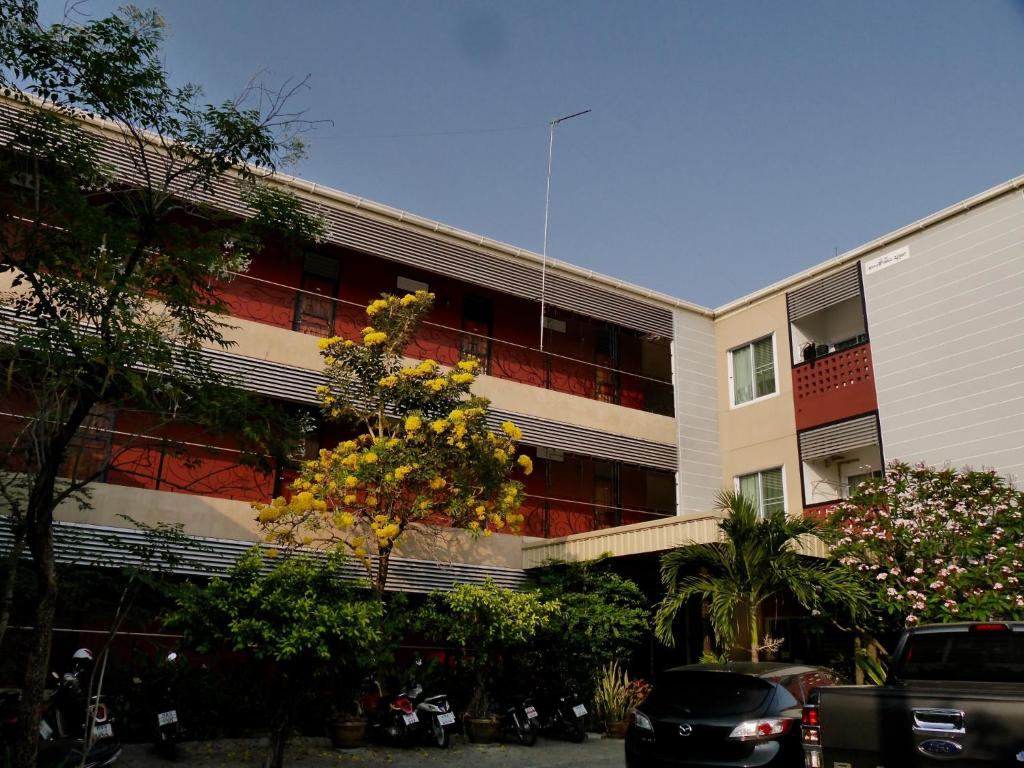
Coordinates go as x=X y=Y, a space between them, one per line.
x=317 y=314
x=834 y=387
x=548 y=517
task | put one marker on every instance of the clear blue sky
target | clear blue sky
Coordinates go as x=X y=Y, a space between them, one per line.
x=731 y=143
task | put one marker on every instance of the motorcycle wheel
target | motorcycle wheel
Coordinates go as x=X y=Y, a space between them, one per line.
x=438 y=734
x=575 y=730
x=526 y=733
x=169 y=749
x=405 y=736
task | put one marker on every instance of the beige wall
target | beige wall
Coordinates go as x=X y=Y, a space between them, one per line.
x=760 y=434
x=279 y=345
x=225 y=519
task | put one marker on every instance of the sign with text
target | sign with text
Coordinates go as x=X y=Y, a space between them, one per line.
x=886 y=260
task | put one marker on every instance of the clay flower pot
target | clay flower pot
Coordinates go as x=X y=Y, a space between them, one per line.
x=347 y=732
x=617 y=729
x=482 y=730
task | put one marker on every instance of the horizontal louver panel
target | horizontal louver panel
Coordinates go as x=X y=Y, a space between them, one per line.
x=299 y=385
x=362 y=232
x=824 y=293
x=110 y=547
x=834 y=439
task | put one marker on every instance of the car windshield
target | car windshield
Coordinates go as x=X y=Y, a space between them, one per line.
x=708 y=694
x=992 y=657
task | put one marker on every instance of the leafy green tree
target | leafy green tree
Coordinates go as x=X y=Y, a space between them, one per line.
x=301 y=614
x=757 y=559
x=424 y=455
x=933 y=545
x=485 y=622
x=111 y=276
x=602 y=617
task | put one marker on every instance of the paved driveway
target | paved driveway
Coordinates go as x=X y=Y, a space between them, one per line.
x=317 y=753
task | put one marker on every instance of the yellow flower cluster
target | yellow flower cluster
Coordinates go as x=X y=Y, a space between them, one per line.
x=512 y=430
x=436 y=385
x=463 y=378
x=438 y=483
x=468 y=366
x=377 y=306
x=413 y=423
x=375 y=339
x=402 y=472
x=526 y=463
x=325 y=343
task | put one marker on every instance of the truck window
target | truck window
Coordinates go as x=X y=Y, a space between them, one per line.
x=991 y=657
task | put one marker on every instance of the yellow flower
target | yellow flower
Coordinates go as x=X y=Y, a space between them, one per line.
x=457 y=416
x=526 y=463
x=459 y=431
x=469 y=366
x=402 y=471
x=371 y=501
x=329 y=360
x=370 y=457
x=376 y=306
x=412 y=423
x=436 y=385
x=388 y=381
x=439 y=426
x=325 y=343
x=359 y=552
x=512 y=430
x=474 y=525
x=462 y=378
x=349 y=343
x=438 y=483
x=344 y=519
x=272 y=552
x=375 y=339
x=350 y=499
x=500 y=455
x=407 y=300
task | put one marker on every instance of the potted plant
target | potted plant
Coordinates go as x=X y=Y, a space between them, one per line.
x=616 y=697
x=347 y=726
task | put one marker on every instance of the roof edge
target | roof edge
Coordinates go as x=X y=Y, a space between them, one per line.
x=856 y=253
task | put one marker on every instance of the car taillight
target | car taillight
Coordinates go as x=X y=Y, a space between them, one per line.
x=810 y=735
x=810 y=715
x=753 y=730
x=989 y=628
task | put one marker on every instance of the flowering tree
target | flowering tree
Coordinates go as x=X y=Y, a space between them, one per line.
x=934 y=545
x=425 y=456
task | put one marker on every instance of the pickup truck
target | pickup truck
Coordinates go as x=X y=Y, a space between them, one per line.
x=954 y=696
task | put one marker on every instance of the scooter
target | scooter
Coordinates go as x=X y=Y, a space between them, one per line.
x=161 y=710
x=564 y=717
x=434 y=713
x=391 y=719
x=520 y=718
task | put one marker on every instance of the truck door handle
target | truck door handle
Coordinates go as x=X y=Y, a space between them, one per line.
x=946 y=721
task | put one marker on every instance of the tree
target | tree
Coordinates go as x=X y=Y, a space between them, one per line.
x=757 y=559
x=601 y=618
x=485 y=621
x=425 y=455
x=113 y=275
x=933 y=545
x=300 y=615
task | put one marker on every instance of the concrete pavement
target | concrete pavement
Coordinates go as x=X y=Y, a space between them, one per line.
x=317 y=753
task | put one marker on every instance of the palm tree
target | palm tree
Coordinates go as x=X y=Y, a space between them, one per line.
x=756 y=559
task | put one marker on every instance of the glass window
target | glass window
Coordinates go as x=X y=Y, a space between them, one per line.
x=764 y=489
x=753 y=371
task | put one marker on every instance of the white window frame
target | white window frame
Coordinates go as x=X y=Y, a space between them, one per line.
x=782 y=472
x=775 y=367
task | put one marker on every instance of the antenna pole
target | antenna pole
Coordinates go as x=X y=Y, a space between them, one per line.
x=547 y=209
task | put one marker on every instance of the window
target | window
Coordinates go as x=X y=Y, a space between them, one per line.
x=853 y=481
x=752 y=370
x=478 y=327
x=314 y=304
x=606 y=355
x=764 y=489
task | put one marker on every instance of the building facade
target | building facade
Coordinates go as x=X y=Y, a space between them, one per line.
x=639 y=407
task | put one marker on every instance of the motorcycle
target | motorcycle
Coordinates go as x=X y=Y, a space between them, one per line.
x=565 y=717
x=520 y=718
x=161 y=707
x=434 y=713
x=63 y=723
x=390 y=719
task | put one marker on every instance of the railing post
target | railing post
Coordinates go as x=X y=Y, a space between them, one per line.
x=160 y=464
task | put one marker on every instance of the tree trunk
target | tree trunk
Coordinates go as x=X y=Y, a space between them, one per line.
x=383 y=560
x=37 y=663
x=281 y=722
x=755 y=639
x=11 y=574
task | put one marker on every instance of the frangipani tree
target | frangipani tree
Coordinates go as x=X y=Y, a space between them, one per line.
x=425 y=456
x=934 y=545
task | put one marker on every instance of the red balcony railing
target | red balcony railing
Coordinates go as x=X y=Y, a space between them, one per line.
x=834 y=387
x=262 y=301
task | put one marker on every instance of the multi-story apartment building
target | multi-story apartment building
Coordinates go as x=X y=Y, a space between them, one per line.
x=640 y=406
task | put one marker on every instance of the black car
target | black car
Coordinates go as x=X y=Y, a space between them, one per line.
x=739 y=714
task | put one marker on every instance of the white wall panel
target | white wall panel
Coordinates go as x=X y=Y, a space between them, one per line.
x=947 y=341
x=693 y=370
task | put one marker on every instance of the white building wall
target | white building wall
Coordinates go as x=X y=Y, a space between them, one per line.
x=946 y=323
x=693 y=372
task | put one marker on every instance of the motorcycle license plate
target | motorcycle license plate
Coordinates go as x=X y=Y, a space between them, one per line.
x=45 y=731
x=531 y=713
x=579 y=710
x=410 y=719
x=102 y=731
x=446 y=718
x=166 y=718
